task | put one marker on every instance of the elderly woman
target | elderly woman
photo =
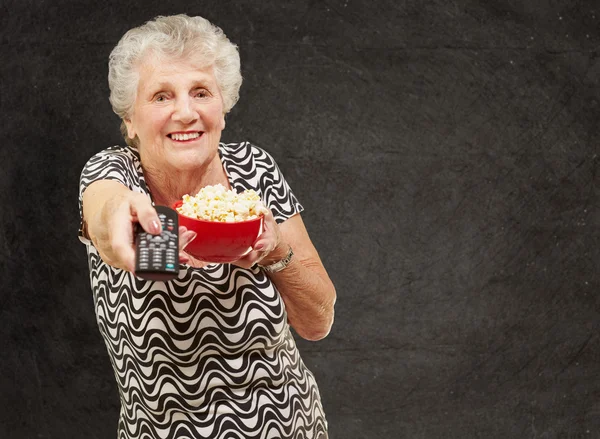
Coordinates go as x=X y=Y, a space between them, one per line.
x=209 y=354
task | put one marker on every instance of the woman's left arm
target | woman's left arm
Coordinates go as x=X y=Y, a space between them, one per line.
x=304 y=285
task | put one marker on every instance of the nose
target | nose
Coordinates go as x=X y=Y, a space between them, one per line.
x=184 y=111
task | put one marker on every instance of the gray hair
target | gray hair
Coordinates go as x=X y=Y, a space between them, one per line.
x=174 y=36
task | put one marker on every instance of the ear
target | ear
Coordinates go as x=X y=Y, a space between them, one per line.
x=130 y=130
x=223 y=122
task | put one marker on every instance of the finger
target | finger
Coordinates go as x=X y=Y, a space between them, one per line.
x=254 y=257
x=142 y=209
x=262 y=245
x=266 y=242
x=185 y=238
x=265 y=236
x=259 y=257
x=269 y=222
x=192 y=261
x=270 y=230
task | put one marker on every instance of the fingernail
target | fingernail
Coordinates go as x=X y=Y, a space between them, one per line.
x=259 y=247
x=155 y=226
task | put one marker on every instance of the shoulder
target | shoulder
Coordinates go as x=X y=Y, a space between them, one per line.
x=121 y=163
x=248 y=155
x=242 y=150
x=125 y=153
x=123 y=158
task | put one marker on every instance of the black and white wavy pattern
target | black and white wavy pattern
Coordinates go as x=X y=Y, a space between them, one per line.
x=210 y=354
x=250 y=167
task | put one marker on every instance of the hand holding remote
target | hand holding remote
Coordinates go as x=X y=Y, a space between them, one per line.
x=157 y=256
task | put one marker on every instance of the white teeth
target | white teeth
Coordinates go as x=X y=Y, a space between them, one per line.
x=185 y=136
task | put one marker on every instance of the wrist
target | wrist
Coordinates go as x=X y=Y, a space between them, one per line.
x=276 y=265
x=275 y=255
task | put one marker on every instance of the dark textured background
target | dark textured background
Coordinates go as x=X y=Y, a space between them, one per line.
x=446 y=154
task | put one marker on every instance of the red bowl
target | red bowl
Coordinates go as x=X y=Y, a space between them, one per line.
x=219 y=241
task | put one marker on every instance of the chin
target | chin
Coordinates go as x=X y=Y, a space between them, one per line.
x=188 y=160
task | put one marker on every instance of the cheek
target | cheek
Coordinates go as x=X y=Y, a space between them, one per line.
x=153 y=123
x=218 y=119
x=216 y=116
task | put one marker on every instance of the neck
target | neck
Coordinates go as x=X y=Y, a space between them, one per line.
x=168 y=186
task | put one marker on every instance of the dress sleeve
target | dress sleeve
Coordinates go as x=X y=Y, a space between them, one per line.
x=111 y=164
x=276 y=191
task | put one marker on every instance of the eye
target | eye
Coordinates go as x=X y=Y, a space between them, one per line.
x=160 y=97
x=202 y=93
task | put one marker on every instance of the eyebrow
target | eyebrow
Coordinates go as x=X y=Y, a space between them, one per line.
x=196 y=83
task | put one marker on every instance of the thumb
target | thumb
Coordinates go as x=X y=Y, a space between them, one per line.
x=185 y=238
x=141 y=208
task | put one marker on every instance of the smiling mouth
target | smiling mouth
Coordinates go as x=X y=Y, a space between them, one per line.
x=185 y=137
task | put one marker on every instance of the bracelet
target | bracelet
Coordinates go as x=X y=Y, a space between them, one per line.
x=279 y=265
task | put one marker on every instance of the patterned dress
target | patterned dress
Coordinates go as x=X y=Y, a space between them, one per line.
x=210 y=354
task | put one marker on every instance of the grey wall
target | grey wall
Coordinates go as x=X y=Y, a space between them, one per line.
x=446 y=153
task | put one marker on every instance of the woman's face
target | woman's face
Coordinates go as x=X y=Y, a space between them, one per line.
x=178 y=114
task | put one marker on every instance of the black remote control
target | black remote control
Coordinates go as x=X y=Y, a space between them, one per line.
x=157 y=256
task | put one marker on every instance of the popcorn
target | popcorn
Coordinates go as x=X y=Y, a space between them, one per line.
x=215 y=203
